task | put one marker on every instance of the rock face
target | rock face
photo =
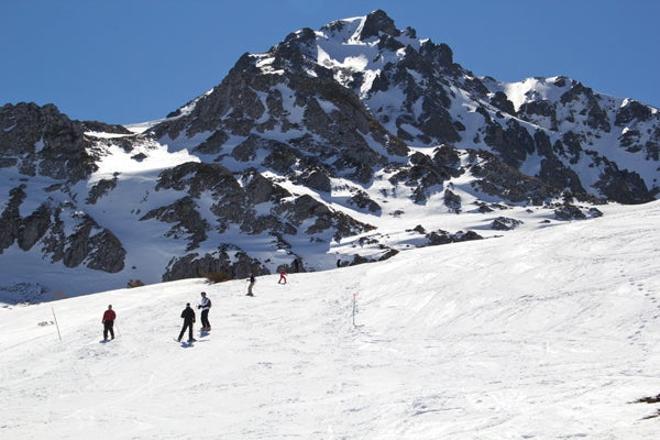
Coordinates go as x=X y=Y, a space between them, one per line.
x=568 y=211
x=97 y=249
x=443 y=237
x=452 y=201
x=307 y=150
x=10 y=219
x=505 y=223
x=101 y=188
x=34 y=227
x=87 y=244
x=43 y=141
x=195 y=265
x=187 y=220
x=361 y=200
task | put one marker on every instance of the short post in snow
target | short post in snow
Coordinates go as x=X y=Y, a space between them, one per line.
x=59 y=335
x=354 y=307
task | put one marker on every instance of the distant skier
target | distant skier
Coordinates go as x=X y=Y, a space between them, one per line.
x=296 y=265
x=252 y=280
x=108 y=321
x=205 y=305
x=188 y=316
x=282 y=279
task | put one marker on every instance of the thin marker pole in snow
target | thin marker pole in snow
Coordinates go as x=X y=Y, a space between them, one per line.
x=354 y=307
x=56 y=324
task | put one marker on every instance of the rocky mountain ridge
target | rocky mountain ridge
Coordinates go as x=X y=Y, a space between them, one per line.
x=336 y=146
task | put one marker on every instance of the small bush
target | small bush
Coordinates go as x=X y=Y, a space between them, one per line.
x=217 y=277
x=135 y=283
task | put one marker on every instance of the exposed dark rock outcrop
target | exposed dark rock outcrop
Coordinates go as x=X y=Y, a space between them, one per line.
x=101 y=188
x=623 y=186
x=106 y=252
x=499 y=179
x=316 y=179
x=361 y=200
x=102 y=127
x=505 y=223
x=632 y=110
x=10 y=219
x=501 y=101
x=443 y=237
x=47 y=141
x=196 y=266
x=90 y=244
x=186 y=219
x=452 y=201
x=34 y=227
x=569 y=212
x=306 y=207
x=376 y=22
x=427 y=174
x=513 y=143
x=98 y=248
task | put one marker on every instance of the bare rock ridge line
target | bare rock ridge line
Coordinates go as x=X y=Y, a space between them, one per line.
x=324 y=150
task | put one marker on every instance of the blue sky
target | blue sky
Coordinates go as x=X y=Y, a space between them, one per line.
x=134 y=60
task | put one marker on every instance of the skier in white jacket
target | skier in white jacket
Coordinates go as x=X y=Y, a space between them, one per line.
x=205 y=305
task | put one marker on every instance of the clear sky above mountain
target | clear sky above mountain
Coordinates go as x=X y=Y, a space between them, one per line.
x=133 y=60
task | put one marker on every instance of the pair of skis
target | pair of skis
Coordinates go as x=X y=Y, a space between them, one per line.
x=202 y=333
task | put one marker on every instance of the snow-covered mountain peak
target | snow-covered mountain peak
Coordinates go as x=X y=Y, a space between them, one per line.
x=375 y=23
x=362 y=28
x=339 y=145
x=350 y=47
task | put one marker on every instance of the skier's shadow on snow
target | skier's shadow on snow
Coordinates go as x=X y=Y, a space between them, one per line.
x=191 y=344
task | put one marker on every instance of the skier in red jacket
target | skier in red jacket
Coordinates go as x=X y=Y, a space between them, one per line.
x=282 y=277
x=108 y=321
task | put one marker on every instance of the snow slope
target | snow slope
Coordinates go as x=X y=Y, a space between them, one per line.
x=545 y=334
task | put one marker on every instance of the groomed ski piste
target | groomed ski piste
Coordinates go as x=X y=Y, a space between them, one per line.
x=544 y=334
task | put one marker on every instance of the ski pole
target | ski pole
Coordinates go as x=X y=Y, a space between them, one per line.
x=56 y=324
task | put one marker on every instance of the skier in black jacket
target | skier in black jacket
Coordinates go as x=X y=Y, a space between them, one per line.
x=251 y=280
x=188 y=316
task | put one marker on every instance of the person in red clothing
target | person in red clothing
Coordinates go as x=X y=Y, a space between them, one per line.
x=282 y=277
x=108 y=321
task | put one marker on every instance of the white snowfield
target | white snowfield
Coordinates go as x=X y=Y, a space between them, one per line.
x=543 y=334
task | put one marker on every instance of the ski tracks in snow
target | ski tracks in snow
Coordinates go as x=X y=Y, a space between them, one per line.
x=545 y=335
